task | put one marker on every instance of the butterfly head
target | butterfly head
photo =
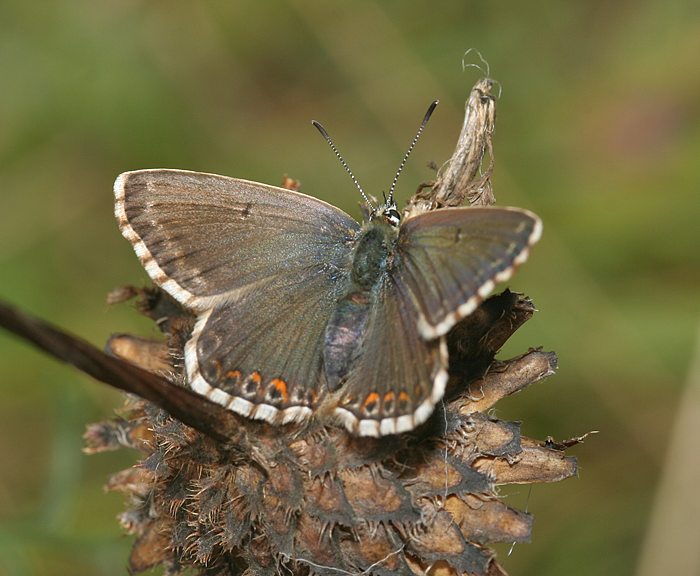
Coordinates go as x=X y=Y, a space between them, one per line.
x=387 y=213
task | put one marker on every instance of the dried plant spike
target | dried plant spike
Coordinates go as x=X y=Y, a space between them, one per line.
x=463 y=178
x=151 y=355
x=506 y=378
x=533 y=464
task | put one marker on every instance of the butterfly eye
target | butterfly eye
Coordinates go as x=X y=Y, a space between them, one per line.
x=392 y=216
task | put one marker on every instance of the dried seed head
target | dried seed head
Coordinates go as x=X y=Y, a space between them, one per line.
x=312 y=499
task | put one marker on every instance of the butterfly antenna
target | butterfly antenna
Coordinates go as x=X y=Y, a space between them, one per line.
x=429 y=113
x=323 y=132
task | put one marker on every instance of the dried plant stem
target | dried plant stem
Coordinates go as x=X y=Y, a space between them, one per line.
x=182 y=403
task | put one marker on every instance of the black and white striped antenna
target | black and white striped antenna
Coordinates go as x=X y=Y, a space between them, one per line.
x=388 y=202
x=429 y=113
x=323 y=132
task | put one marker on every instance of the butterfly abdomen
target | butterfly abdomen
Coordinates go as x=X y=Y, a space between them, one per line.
x=344 y=334
x=343 y=337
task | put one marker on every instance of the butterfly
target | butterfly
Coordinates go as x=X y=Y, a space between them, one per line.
x=303 y=312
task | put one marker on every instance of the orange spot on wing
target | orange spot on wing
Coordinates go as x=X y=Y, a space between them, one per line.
x=233 y=374
x=281 y=387
x=370 y=401
x=255 y=377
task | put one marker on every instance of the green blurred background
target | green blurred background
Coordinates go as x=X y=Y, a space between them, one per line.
x=598 y=131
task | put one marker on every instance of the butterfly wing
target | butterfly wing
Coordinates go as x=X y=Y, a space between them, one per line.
x=203 y=236
x=260 y=265
x=450 y=259
x=399 y=377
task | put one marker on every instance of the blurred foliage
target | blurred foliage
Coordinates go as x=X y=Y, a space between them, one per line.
x=598 y=131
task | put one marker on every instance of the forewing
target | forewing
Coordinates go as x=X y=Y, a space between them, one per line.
x=450 y=259
x=201 y=236
x=398 y=377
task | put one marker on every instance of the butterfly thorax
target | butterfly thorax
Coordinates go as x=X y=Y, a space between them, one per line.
x=344 y=334
x=371 y=253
